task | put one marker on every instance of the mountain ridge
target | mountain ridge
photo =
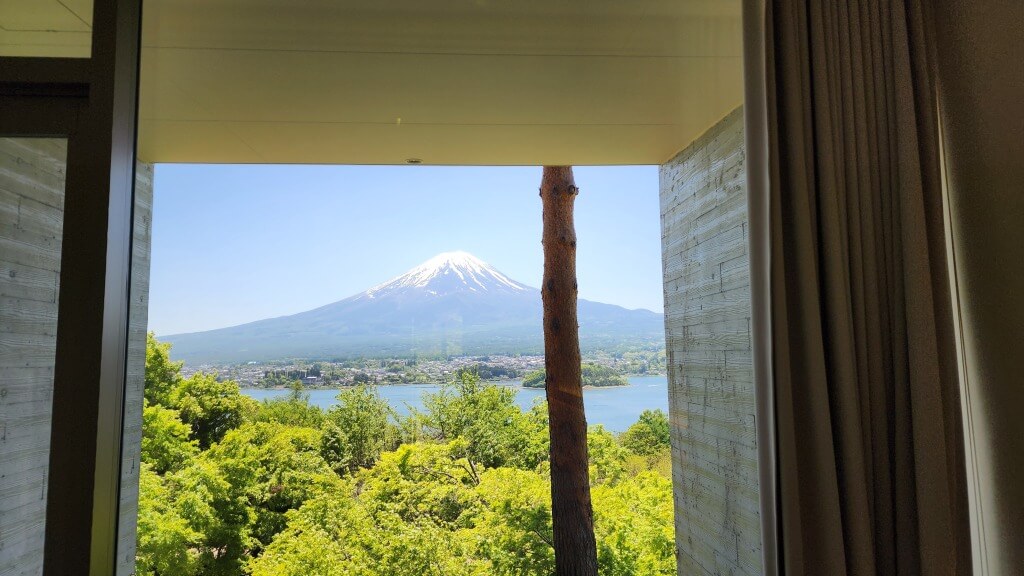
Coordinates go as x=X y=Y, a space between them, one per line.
x=452 y=304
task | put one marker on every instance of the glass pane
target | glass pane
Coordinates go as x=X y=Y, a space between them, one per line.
x=46 y=28
x=31 y=228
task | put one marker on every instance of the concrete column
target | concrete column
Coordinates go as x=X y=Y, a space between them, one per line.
x=707 y=327
x=32 y=175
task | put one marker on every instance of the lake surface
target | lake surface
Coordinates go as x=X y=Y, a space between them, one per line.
x=615 y=407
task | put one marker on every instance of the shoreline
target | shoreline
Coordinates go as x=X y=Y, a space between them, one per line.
x=615 y=407
x=398 y=384
x=509 y=383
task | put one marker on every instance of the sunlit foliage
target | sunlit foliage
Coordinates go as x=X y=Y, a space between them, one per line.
x=282 y=488
x=166 y=444
x=162 y=375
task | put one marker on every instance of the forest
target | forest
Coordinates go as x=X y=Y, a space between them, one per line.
x=591 y=375
x=231 y=486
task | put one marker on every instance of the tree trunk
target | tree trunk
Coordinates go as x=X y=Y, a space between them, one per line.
x=571 y=511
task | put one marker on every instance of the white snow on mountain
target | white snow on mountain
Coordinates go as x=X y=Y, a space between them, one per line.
x=451 y=304
x=446 y=273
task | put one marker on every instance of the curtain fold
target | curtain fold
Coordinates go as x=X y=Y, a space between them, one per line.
x=869 y=445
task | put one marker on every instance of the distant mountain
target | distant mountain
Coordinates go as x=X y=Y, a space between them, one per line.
x=452 y=304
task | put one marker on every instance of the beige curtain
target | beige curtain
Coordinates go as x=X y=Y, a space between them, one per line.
x=869 y=446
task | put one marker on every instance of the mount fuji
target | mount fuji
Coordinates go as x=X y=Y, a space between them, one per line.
x=452 y=304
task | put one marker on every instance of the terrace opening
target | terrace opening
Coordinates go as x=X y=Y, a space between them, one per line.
x=577 y=83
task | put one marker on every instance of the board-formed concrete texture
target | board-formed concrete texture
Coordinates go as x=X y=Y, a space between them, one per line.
x=136 y=369
x=31 y=228
x=707 y=329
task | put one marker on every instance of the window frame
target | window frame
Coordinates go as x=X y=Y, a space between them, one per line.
x=93 y=103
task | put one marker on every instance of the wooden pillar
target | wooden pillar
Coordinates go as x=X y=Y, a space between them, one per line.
x=571 y=511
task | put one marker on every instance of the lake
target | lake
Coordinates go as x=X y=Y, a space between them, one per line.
x=615 y=407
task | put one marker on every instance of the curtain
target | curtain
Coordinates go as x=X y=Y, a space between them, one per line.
x=870 y=474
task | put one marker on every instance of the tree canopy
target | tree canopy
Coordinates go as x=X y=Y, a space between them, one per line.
x=593 y=375
x=229 y=486
x=650 y=434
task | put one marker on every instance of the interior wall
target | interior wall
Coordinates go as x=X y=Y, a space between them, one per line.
x=981 y=95
x=31 y=225
x=707 y=327
x=32 y=173
x=138 y=320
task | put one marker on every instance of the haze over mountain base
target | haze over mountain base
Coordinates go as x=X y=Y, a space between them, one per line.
x=452 y=304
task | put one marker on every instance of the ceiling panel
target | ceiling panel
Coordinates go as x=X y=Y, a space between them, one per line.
x=45 y=28
x=517 y=145
x=451 y=82
x=44 y=15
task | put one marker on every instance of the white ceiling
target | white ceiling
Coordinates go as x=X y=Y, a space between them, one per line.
x=447 y=81
x=45 y=28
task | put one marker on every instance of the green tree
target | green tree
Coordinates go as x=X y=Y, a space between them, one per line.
x=425 y=481
x=633 y=522
x=218 y=510
x=331 y=535
x=165 y=439
x=487 y=417
x=167 y=543
x=162 y=375
x=297 y=392
x=650 y=435
x=335 y=448
x=293 y=409
x=534 y=379
x=273 y=468
x=211 y=407
x=281 y=488
x=290 y=412
x=607 y=459
x=365 y=421
x=592 y=374
x=406 y=516
x=513 y=531
x=600 y=376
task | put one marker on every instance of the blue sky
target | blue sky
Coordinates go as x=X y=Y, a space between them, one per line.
x=233 y=244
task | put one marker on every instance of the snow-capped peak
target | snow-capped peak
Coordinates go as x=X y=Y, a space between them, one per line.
x=449 y=272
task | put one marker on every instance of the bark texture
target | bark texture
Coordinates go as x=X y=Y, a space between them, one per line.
x=571 y=511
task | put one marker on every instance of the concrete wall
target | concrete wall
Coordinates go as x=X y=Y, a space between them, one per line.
x=137 y=324
x=31 y=228
x=707 y=329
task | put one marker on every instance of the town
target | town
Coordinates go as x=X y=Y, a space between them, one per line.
x=383 y=371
